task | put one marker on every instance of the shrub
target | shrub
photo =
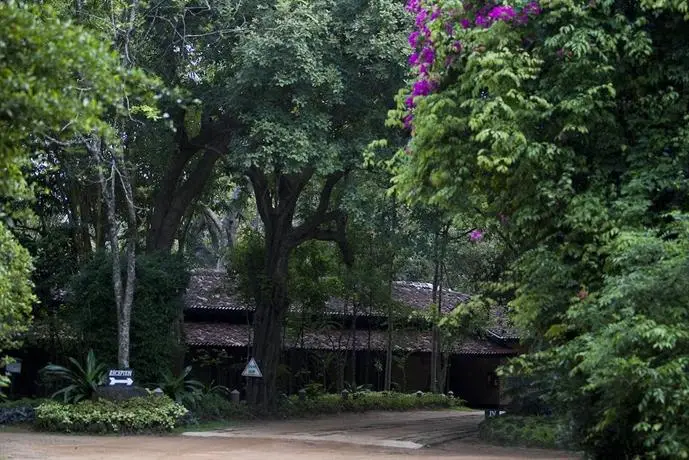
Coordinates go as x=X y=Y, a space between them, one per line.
x=181 y=388
x=528 y=431
x=155 y=330
x=136 y=415
x=214 y=407
x=362 y=402
x=82 y=381
x=19 y=411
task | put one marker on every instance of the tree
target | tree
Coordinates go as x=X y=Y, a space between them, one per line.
x=50 y=88
x=16 y=296
x=50 y=92
x=308 y=80
x=568 y=125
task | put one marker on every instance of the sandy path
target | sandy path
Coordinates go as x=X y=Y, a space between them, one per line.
x=422 y=435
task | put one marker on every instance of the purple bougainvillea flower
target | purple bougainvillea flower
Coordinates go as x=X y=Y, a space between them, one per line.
x=422 y=88
x=465 y=23
x=414 y=39
x=476 y=235
x=450 y=29
x=409 y=102
x=456 y=46
x=413 y=5
x=482 y=21
x=413 y=59
x=532 y=8
x=435 y=13
x=421 y=17
x=427 y=55
x=424 y=69
x=502 y=13
x=407 y=120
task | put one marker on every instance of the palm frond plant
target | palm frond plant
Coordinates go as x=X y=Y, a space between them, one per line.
x=81 y=381
x=181 y=388
x=212 y=388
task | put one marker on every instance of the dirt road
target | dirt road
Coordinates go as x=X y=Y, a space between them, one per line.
x=385 y=435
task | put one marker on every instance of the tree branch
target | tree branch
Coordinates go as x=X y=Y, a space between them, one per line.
x=264 y=200
x=308 y=229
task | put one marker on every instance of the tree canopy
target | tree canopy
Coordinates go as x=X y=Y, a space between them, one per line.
x=567 y=122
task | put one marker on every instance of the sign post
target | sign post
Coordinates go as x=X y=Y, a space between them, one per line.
x=252 y=370
x=121 y=377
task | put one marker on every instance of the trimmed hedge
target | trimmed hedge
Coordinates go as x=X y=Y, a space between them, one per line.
x=213 y=407
x=528 y=431
x=150 y=414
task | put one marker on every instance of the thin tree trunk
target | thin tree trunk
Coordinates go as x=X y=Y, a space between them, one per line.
x=435 y=339
x=388 y=354
x=123 y=291
x=353 y=345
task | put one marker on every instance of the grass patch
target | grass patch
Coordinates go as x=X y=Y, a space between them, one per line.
x=527 y=431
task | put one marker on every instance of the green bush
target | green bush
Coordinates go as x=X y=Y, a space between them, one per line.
x=18 y=411
x=23 y=402
x=214 y=407
x=528 y=431
x=136 y=415
x=362 y=402
x=155 y=330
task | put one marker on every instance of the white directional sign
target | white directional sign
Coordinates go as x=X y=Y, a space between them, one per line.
x=252 y=370
x=120 y=377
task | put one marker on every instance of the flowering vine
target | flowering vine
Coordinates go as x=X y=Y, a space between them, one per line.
x=428 y=15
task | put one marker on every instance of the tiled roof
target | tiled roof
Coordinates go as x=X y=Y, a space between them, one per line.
x=234 y=335
x=211 y=290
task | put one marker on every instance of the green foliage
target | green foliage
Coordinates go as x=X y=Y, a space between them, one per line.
x=512 y=430
x=572 y=131
x=155 y=333
x=16 y=297
x=314 y=390
x=246 y=261
x=135 y=415
x=365 y=401
x=50 y=87
x=24 y=402
x=81 y=381
x=19 y=411
x=317 y=67
x=181 y=388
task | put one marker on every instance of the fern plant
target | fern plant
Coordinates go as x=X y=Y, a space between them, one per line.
x=181 y=388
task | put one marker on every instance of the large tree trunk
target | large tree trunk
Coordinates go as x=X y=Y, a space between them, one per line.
x=276 y=208
x=176 y=193
x=270 y=314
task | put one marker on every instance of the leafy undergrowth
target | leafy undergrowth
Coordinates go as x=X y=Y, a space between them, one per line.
x=527 y=431
x=214 y=407
x=20 y=411
x=151 y=414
